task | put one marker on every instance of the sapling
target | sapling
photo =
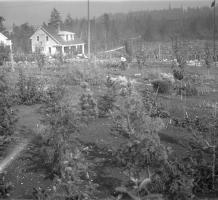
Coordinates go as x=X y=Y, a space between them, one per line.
x=207 y=58
x=132 y=120
x=40 y=59
x=88 y=104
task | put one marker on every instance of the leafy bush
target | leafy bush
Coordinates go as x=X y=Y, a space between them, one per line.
x=88 y=104
x=173 y=180
x=40 y=59
x=7 y=117
x=106 y=102
x=24 y=57
x=201 y=159
x=186 y=89
x=4 y=54
x=74 y=182
x=178 y=74
x=151 y=106
x=29 y=89
x=61 y=158
x=115 y=65
x=142 y=157
x=5 y=187
x=161 y=86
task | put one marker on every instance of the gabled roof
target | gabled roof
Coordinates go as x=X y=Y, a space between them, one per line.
x=53 y=33
x=65 y=32
x=3 y=36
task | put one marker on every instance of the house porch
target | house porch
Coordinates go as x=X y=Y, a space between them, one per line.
x=71 y=49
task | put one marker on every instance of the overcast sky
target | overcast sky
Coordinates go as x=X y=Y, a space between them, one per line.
x=101 y=0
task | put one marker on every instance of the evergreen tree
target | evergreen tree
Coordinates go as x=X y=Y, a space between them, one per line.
x=69 y=22
x=2 y=27
x=55 y=18
x=21 y=37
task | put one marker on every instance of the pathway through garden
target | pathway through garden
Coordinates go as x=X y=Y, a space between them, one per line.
x=27 y=126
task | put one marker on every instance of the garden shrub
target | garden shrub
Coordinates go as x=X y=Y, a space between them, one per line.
x=201 y=157
x=7 y=117
x=29 y=89
x=5 y=187
x=4 y=54
x=161 y=86
x=113 y=65
x=61 y=157
x=7 y=121
x=73 y=78
x=106 y=102
x=40 y=59
x=185 y=89
x=172 y=179
x=178 y=74
x=88 y=104
x=150 y=104
x=74 y=181
x=24 y=57
x=142 y=157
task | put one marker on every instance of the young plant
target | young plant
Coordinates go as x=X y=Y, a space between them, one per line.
x=106 y=102
x=5 y=187
x=40 y=59
x=207 y=57
x=143 y=151
x=88 y=104
x=7 y=117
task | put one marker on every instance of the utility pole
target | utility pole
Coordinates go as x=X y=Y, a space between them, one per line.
x=12 y=57
x=159 y=52
x=89 y=31
x=214 y=29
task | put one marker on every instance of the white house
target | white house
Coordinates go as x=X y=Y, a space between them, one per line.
x=4 y=40
x=52 y=41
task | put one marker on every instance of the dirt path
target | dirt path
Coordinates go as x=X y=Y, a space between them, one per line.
x=26 y=126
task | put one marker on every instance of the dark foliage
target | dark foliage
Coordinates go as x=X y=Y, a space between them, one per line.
x=5 y=187
x=29 y=90
x=7 y=117
x=161 y=86
x=106 y=102
x=173 y=180
x=186 y=89
x=40 y=59
x=4 y=54
x=178 y=74
x=21 y=38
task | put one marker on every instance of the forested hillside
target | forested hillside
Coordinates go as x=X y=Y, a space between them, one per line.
x=111 y=30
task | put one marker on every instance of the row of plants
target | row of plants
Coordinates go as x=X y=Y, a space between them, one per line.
x=137 y=118
x=7 y=128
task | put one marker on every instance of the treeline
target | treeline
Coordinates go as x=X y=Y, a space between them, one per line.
x=111 y=30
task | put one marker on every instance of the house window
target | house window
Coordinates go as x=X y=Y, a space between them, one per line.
x=37 y=38
x=67 y=37
x=49 y=48
x=46 y=38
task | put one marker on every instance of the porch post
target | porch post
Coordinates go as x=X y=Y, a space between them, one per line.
x=62 y=50
x=83 y=50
